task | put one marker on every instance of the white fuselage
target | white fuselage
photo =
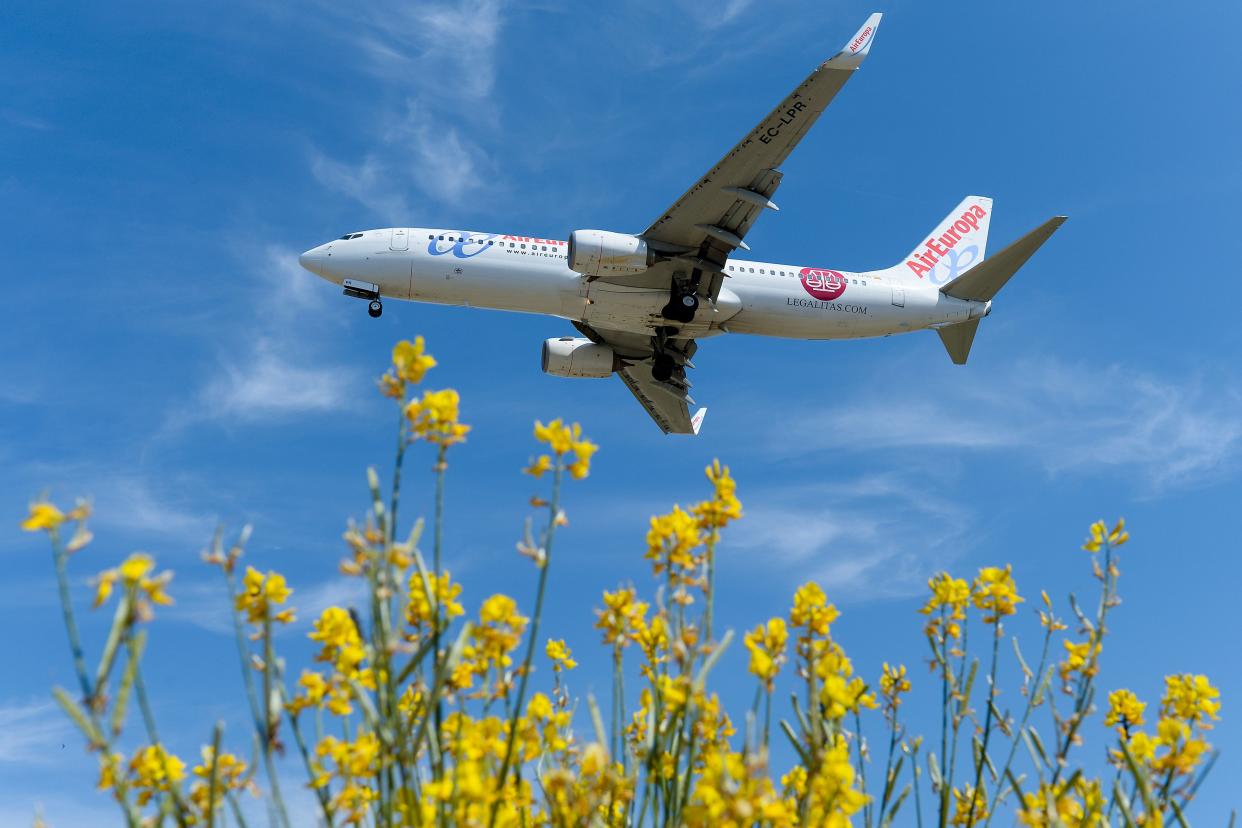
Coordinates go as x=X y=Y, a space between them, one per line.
x=532 y=275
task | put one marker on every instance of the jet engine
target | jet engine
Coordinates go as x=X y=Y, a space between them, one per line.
x=600 y=252
x=569 y=357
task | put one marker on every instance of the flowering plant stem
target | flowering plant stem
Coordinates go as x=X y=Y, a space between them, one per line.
x=545 y=560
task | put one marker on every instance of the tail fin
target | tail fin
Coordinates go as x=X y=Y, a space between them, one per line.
x=956 y=245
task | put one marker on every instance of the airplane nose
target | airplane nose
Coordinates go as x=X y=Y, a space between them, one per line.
x=312 y=260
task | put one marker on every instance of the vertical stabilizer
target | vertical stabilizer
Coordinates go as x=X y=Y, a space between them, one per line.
x=956 y=245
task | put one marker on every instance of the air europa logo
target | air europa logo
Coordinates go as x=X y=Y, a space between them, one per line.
x=924 y=260
x=822 y=284
x=861 y=39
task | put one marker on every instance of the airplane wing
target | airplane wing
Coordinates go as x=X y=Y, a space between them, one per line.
x=668 y=403
x=703 y=227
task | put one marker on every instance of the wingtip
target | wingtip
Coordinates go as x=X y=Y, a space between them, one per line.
x=696 y=422
x=858 y=47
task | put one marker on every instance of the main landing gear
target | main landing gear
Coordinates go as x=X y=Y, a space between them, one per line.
x=681 y=307
x=662 y=366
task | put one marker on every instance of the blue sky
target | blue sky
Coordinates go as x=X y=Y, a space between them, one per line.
x=161 y=165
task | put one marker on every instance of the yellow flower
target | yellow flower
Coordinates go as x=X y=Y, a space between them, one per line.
x=152 y=770
x=43 y=516
x=260 y=593
x=671 y=542
x=434 y=418
x=1191 y=699
x=561 y=657
x=583 y=451
x=563 y=439
x=811 y=610
x=724 y=506
x=995 y=593
x=419 y=612
x=410 y=360
x=969 y=807
x=314 y=690
x=766 y=644
x=342 y=645
x=893 y=683
x=1124 y=709
x=557 y=435
x=622 y=618
x=134 y=573
x=1080 y=658
x=539 y=467
x=1101 y=534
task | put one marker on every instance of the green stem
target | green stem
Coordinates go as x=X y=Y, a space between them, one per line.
x=269 y=665
x=549 y=537
x=60 y=559
x=1037 y=680
x=987 y=722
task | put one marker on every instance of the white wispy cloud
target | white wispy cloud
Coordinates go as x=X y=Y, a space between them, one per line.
x=879 y=536
x=442 y=56
x=266 y=383
x=270 y=371
x=33 y=732
x=1064 y=417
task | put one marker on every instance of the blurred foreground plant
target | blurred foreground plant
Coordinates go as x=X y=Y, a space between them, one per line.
x=418 y=716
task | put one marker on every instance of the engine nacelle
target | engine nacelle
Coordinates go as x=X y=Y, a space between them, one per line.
x=600 y=252
x=569 y=357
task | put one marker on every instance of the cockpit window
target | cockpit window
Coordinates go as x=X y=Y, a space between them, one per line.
x=349 y=236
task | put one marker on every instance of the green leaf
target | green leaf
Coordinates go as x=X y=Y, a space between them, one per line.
x=137 y=642
x=80 y=718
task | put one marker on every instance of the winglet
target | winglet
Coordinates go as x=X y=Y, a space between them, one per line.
x=852 y=56
x=696 y=422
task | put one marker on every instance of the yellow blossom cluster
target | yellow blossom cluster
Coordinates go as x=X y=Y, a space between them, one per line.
x=434 y=418
x=433 y=602
x=410 y=363
x=559 y=655
x=946 y=608
x=766 y=644
x=354 y=765
x=1102 y=535
x=260 y=594
x=995 y=593
x=1079 y=804
x=134 y=574
x=562 y=439
x=216 y=777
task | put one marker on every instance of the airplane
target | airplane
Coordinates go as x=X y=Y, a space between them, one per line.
x=641 y=302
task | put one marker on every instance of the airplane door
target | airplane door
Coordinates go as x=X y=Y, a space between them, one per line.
x=400 y=239
x=899 y=297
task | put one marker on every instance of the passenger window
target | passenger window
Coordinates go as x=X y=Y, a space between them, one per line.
x=761 y=273
x=432 y=237
x=523 y=247
x=544 y=248
x=442 y=238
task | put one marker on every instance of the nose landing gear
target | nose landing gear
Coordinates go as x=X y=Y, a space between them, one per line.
x=365 y=290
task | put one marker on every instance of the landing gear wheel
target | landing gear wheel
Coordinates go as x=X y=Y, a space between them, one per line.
x=662 y=368
x=375 y=309
x=681 y=308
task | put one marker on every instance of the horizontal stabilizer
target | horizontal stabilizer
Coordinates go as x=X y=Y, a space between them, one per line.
x=958 y=338
x=985 y=280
